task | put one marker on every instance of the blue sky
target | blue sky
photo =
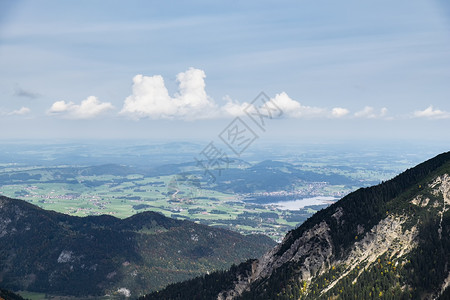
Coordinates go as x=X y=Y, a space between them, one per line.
x=185 y=69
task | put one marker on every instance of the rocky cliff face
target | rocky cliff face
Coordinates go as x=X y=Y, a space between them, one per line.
x=312 y=252
x=399 y=248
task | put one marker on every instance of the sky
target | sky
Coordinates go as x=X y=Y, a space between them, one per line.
x=186 y=69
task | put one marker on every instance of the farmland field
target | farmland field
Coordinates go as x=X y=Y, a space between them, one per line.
x=242 y=197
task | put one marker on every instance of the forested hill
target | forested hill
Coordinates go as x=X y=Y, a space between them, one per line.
x=8 y=295
x=389 y=241
x=49 y=252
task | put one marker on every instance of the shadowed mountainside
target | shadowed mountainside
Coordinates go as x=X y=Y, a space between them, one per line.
x=50 y=252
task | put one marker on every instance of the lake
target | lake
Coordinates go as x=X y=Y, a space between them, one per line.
x=300 y=203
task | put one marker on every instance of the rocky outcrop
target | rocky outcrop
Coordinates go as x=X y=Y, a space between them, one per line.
x=313 y=253
x=313 y=250
x=386 y=235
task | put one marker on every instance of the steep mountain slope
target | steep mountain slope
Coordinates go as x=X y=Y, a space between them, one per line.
x=49 y=252
x=8 y=295
x=390 y=241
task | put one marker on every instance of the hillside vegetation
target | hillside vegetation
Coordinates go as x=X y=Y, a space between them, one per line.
x=49 y=252
x=389 y=241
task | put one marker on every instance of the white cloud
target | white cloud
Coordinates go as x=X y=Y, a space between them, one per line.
x=89 y=108
x=150 y=98
x=432 y=113
x=367 y=112
x=370 y=113
x=295 y=109
x=19 y=112
x=60 y=106
x=339 y=112
x=233 y=108
x=290 y=108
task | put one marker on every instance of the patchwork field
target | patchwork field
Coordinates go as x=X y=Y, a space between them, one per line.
x=239 y=197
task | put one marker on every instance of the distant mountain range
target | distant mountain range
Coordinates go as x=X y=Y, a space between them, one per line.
x=49 y=252
x=389 y=241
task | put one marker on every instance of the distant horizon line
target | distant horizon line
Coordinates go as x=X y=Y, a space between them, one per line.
x=425 y=143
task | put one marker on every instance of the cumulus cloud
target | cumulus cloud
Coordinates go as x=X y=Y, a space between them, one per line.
x=431 y=113
x=294 y=109
x=88 y=108
x=339 y=112
x=19 y=112
x=370 y=113
x=233 y=108
x=150 y=98
x=290 y=108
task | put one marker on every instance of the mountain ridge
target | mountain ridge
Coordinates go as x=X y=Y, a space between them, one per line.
x=389 y=241
x=46 y=251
